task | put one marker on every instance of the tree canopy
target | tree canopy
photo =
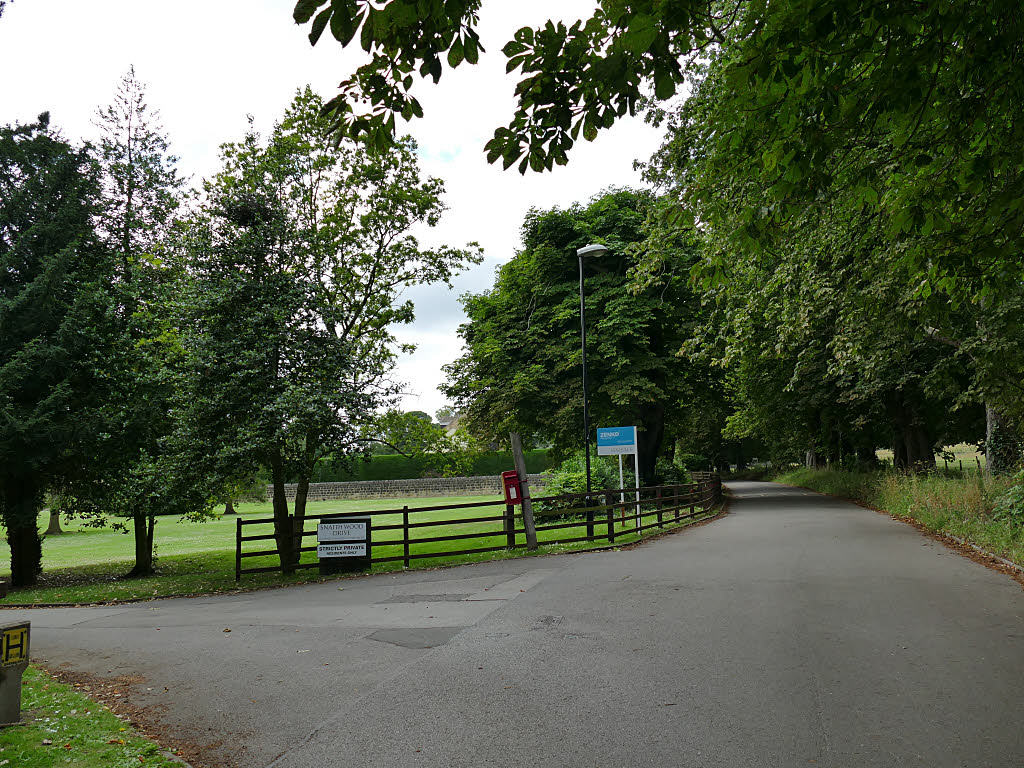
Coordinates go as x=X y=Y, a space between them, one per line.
x=522 y=365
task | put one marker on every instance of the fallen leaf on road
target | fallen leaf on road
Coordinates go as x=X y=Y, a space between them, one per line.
x=303 y=651
x=226 y=629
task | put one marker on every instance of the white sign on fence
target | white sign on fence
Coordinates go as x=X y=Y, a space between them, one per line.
x=342 y=539
x=341 y=532
x=341 y=550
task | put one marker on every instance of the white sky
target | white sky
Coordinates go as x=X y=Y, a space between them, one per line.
x=206 y=65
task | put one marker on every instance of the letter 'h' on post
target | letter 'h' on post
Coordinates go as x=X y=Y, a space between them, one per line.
x=13 y=661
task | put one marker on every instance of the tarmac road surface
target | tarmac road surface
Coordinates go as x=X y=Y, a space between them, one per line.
x=798 y=630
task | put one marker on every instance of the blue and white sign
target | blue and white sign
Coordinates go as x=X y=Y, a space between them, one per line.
x=616 y=441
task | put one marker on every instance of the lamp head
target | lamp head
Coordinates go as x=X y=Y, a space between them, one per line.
x=592 y=250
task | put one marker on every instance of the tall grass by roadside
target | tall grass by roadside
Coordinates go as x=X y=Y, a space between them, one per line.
x=965 y=506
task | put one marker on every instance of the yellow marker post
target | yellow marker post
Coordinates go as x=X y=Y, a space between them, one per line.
x=13 y=661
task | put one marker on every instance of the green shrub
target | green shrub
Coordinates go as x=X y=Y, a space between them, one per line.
x=671 y=473
x=691 y=462
x=571 y=477
x=1010 y=506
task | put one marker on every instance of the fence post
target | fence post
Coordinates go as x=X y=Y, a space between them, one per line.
x=660 y=523
x=509 y=524
x=238 y=549
x=692 y=490
x=677 y=500
x=405 y=535
x=609 y=499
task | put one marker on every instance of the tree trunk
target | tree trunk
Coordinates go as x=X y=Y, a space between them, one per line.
x=143 y=525
x=899 y=451
x=229 y=507
x=912 y=445
x=21 y=504
x=53 y=527
x=814 y=460
x=866 y=457
x=284 y=532
x=301 y=495
x=920 y=453
x=648 y=440
x=1002 y=444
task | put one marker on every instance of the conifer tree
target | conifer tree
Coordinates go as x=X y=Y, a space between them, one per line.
x=54 y=331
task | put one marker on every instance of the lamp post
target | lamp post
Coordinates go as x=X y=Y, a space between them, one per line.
x=588 y=250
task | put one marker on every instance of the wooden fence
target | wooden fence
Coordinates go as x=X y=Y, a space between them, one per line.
x=404 y=534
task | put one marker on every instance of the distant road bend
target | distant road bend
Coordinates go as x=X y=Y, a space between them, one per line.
x=796 y=631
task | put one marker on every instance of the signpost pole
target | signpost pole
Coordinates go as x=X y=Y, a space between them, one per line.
x=14 y=640
x=636 y=466
x=622 y=483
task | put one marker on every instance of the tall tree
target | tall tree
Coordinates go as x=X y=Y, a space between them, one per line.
x=141 y=192
x=522 y=367
x=300 y=255
x=141 y=186
x=827 y=276
x=54 y=326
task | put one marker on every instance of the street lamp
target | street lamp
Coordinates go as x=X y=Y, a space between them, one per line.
x=587 y=250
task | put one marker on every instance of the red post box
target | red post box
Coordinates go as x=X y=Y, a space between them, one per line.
x=510 y=484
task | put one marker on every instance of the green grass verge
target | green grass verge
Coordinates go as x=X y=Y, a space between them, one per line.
x=84 y=566
x=80 y=545
x=65 y=728
x=956 y=505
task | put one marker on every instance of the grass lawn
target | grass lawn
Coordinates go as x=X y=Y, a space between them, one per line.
x=964 y=455
x=83 y=565
x=63 y=727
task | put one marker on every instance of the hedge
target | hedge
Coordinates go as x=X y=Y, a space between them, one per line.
x=398 y=467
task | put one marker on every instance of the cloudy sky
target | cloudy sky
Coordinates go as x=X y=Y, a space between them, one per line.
x=208 y=64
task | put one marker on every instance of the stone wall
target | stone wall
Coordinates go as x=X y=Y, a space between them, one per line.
x=486 y=485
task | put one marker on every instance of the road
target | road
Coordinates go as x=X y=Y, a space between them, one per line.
x=797 y=630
